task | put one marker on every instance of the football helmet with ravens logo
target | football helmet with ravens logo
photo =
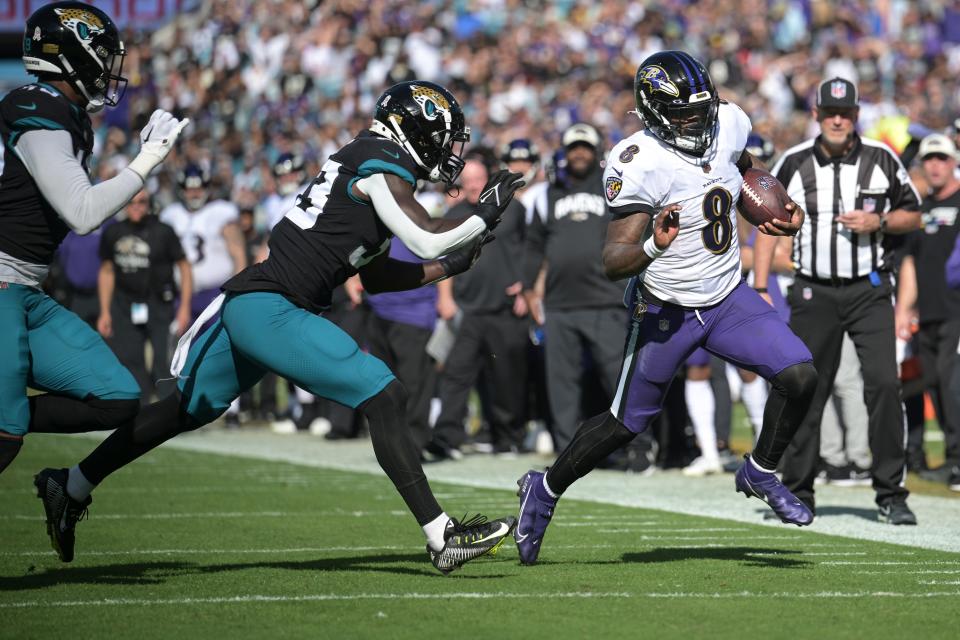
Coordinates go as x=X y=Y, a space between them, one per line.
x=677 y=101
x=78 y=43
x=427 y=121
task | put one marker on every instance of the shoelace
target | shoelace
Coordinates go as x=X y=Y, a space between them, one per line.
x=76 y=511
x=463 y=524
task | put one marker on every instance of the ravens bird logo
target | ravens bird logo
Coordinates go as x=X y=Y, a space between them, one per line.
x=657 y=79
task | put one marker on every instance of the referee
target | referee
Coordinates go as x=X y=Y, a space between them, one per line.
x=857 y=195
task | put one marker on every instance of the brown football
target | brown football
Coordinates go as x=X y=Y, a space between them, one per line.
x=762 y=197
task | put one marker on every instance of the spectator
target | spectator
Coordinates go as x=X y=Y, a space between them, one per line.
x=492 y=335
x=581 y=310
x=924 y=296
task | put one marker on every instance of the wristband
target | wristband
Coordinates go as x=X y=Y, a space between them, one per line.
x=651 y=249
x=760 y=289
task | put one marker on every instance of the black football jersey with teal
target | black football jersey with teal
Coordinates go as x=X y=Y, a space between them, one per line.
x=30 y=228
x=329 y=234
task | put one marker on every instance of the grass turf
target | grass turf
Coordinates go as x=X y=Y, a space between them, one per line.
x=198 y=545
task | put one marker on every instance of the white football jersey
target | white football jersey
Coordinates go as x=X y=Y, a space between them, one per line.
x=643 y=175
x=277 y=206
x=201 y=233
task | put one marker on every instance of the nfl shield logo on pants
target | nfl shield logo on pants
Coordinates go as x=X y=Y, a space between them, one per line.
x=838 y=89
x=664 y=325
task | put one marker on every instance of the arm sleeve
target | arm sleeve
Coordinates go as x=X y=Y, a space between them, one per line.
x=534 y=243
x=631 y=184
x=953 y=266
x=421 y=242
x=48 y=156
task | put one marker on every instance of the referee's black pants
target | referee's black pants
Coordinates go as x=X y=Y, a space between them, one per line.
x=496 y=343
x=819 y=315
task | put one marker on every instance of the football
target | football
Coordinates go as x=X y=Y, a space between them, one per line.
x=762 y=197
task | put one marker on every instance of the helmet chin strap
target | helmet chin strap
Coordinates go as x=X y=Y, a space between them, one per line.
x=377 y=127
x=94 y=103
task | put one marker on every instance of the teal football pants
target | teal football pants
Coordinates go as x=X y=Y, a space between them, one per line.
x=261 y=331
x=49 y=348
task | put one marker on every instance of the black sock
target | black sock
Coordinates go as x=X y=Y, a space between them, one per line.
x=9 y=448
x=396 y=452
x=596 y=439
x=790 y=396
x=156 y=423
x=51 y=413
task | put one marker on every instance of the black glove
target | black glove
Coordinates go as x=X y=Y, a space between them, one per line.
x=458 y=261
x=496 y=195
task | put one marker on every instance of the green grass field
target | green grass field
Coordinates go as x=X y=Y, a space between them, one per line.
x=198 y=545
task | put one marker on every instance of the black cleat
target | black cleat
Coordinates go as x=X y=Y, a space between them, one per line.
x=896 y=512
x=469 y=540
x=62 y=511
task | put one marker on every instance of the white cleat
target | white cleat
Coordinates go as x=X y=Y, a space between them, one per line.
x=703 y=466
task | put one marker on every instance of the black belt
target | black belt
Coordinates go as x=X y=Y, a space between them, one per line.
x=833 y=282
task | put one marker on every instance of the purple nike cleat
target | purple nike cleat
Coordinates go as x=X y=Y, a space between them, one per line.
x=750 y=481
x=535 y=514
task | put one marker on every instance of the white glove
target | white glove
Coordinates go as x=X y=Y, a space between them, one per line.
x=156 y=140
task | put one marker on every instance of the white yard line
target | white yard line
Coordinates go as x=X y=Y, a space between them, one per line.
x=848 y=512
x=327 y=597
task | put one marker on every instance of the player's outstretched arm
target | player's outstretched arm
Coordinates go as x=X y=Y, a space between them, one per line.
x=624 y=255
x=386 y=274
x=430 y=238
x=50 y=160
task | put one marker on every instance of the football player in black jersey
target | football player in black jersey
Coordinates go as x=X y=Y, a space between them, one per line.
x=341 y=225
x=75 y=51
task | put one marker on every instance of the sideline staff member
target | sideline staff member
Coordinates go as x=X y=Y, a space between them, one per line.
x=856 y=194
x=137 y=291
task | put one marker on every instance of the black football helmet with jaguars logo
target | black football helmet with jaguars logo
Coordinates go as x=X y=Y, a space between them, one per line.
x=427 y=121
x=677 y=101
x=78 y=43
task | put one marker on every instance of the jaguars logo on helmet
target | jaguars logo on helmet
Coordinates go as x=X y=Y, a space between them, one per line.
x=78 y=43
x=677 y=101
x=426 y=120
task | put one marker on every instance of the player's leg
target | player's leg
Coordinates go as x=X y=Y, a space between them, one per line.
x=748 y=332
x=212 y=376
x=658 y=341
x=88 y=389
x=701 y=408
x=753 y=393
x=314 y=353
x=15 y=356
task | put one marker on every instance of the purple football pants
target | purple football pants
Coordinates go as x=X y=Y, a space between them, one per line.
x=742 y=329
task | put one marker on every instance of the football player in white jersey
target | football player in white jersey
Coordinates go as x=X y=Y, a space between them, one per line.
x=682 y=173
x=291 y=178
x=210 y=234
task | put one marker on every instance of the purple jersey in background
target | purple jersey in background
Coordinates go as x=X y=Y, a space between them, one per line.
x=417 y=307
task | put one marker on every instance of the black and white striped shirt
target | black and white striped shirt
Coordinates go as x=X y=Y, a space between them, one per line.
x=870 y=177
